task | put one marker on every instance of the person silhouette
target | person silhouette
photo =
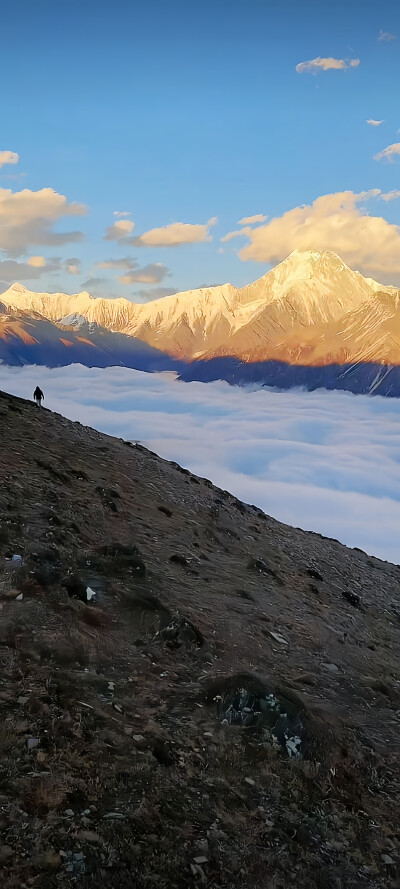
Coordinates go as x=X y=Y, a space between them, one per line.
x=38 y=396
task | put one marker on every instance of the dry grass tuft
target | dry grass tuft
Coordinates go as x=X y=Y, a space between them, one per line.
x=40 y=794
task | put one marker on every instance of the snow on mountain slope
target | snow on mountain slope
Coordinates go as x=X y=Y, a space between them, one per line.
x=30 y=339
x=272 y=318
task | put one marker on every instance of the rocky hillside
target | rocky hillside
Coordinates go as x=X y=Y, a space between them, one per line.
x=191 y=694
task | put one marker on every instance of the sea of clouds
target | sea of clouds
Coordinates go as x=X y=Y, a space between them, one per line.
x=322 y=461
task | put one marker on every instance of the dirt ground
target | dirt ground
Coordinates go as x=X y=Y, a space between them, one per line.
x=222 y=709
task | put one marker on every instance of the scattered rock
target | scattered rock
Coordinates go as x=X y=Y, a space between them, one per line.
x=178 y=559
x=75 y=587
x=353 y=598
x=313 y=572
x=262 y=568
x=166 y=511
x=278 y=637
x=387 y=859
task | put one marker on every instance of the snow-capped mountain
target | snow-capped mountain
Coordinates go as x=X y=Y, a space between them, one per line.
x=30 y=339
x=310 y=309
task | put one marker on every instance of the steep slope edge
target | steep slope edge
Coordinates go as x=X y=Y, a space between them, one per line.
x=225 y=706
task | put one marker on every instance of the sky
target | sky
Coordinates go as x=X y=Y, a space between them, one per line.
x=150 y=148
x=323 y=461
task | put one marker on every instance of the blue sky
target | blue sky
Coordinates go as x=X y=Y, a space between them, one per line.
x=180 y=113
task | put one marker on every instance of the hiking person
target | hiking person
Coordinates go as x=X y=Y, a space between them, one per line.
x=38 y=396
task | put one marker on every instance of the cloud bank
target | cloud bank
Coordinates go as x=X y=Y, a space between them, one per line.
x=336 y=222
x=28 y=218
x=11 y=270
x=323 y=461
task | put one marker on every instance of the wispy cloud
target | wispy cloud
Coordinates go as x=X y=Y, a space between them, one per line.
x=120 y=213
x=389 y=153
x=73 y=265
x=390 y=195
x=124 y=262
x=336 y=222
x=386 y=36
x=252 y=220
x=8 y=157
x=374 y=123
x=175 y=235
x=307 y=458
x=329 y=64
x=237 y=233
x=150 y=274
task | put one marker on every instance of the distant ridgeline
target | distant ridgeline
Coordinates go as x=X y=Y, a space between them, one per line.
x=362 y=379
x=310 y=322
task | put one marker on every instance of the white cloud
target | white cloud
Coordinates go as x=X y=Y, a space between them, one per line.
x=388 y=153
x=121 y=229
x=27 y=218
x=374 y=123
x=308 y=458
x=386 y=36
x=8 y=157
x=175 y=234
x=251 y=220
x=122 y=213
x=150 y=274
x=329 y=64
x=336 y=222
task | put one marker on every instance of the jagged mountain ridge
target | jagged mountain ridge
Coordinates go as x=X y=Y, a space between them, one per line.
x=310 y=309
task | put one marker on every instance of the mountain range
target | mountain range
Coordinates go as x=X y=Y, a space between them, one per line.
x=311 y=318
